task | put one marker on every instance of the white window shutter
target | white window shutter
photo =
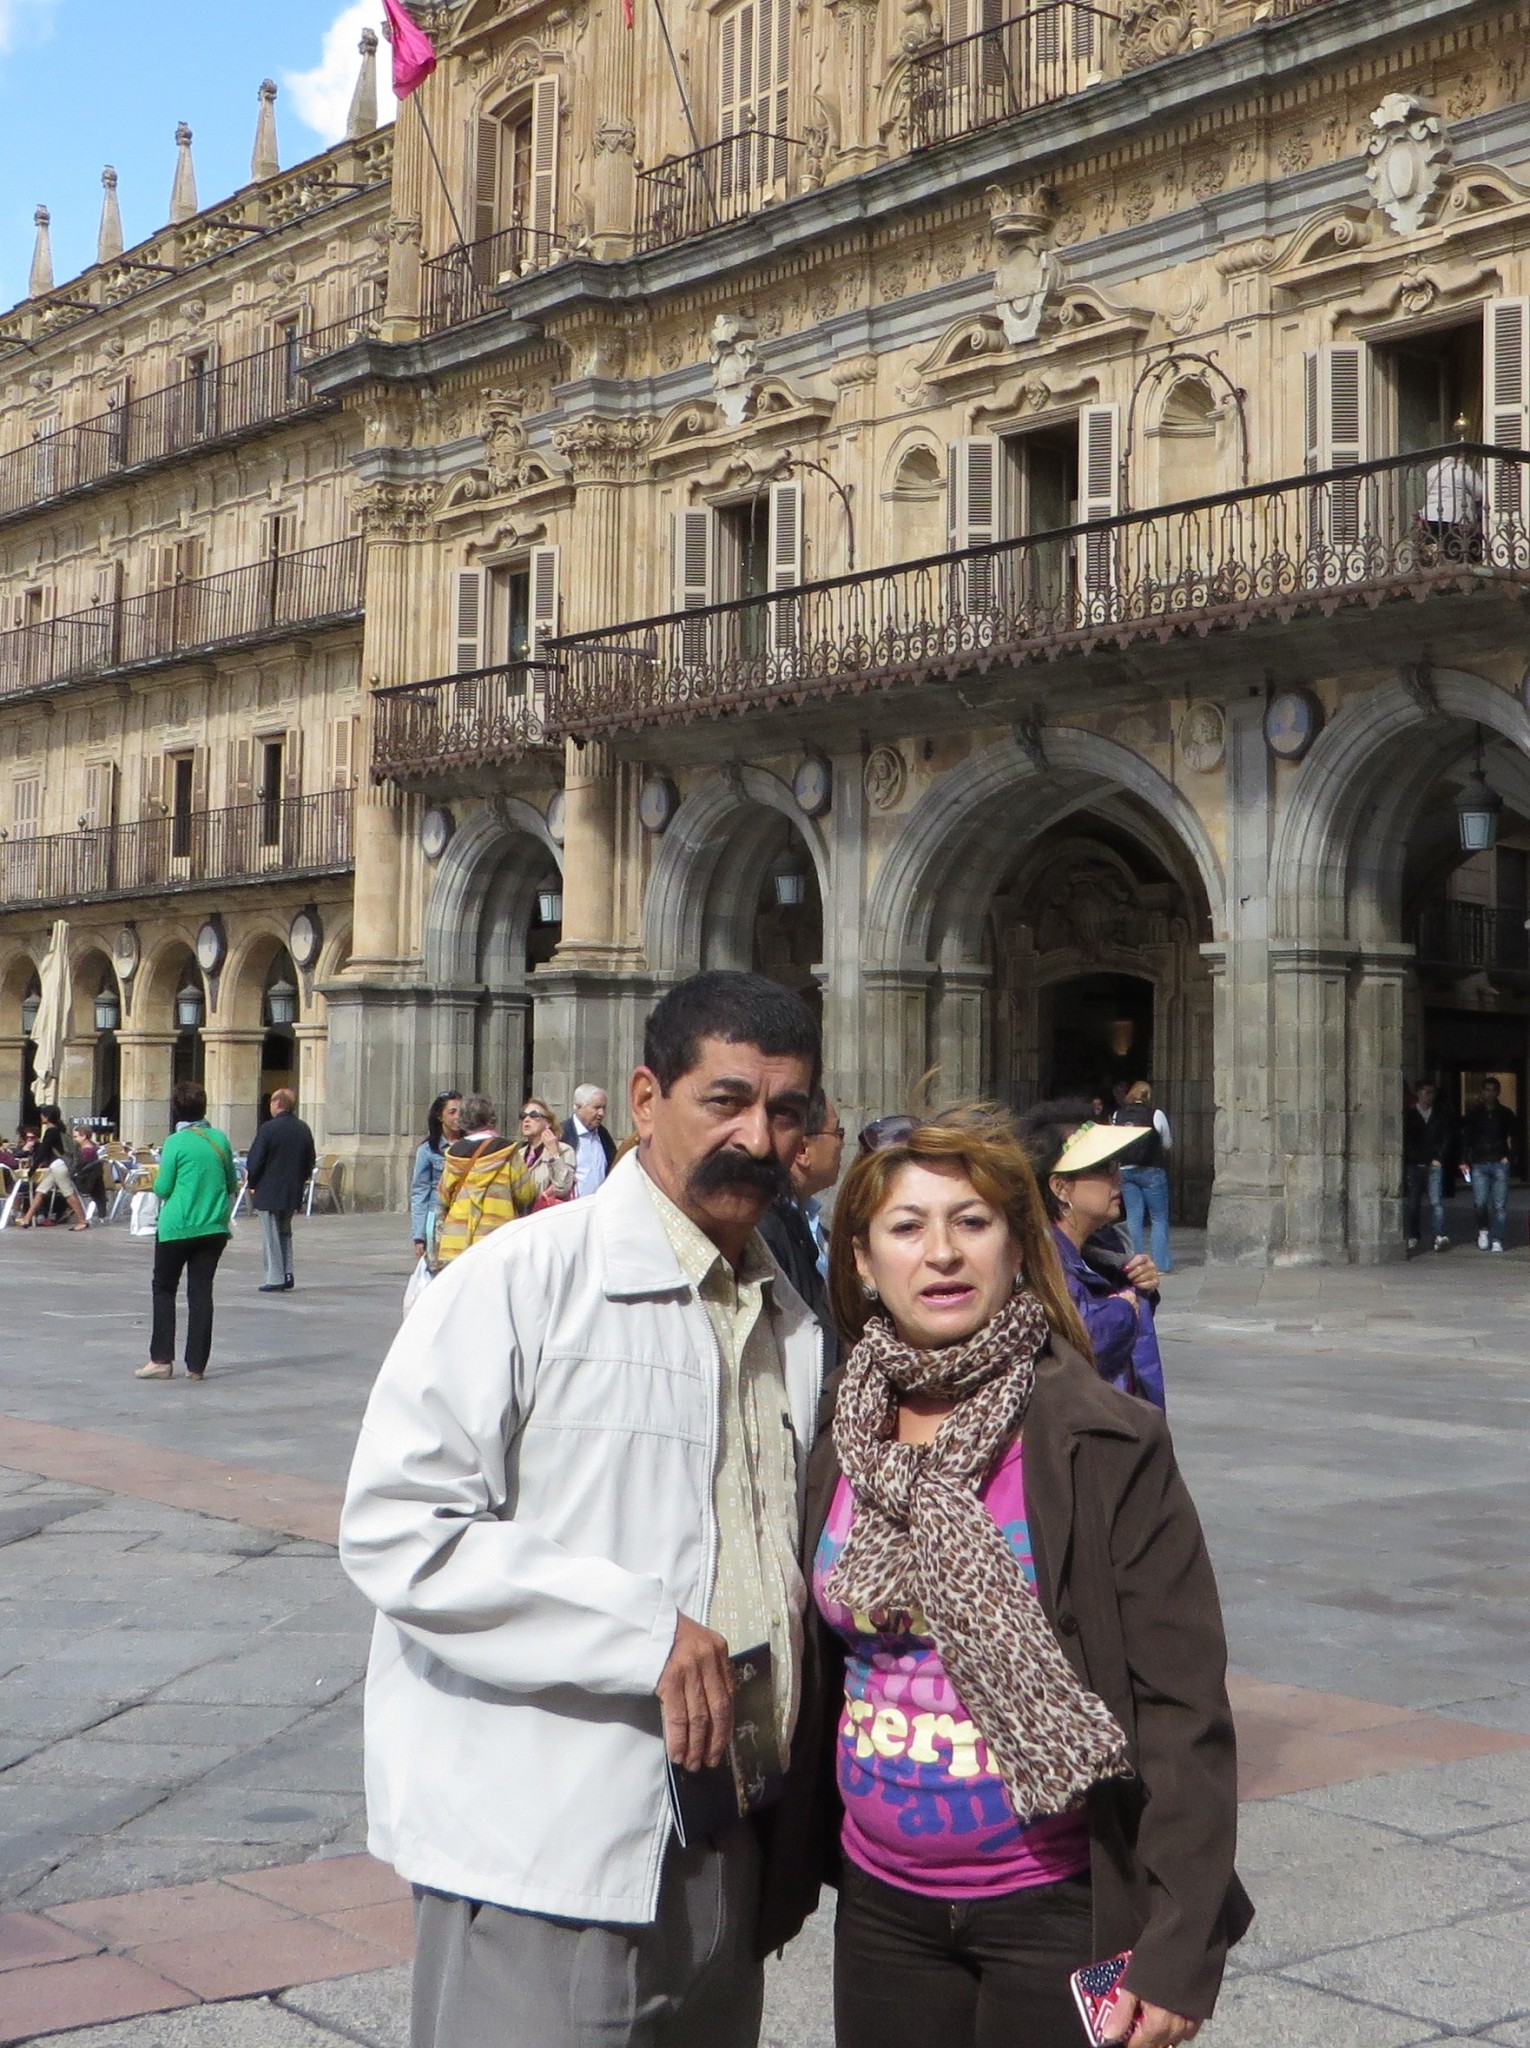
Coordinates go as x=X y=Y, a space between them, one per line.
x=1336 y=394
x=544 y=167
x=199 y=769
x=292 y=762
x=26 y=806
x=486 y=145
x=785 y=559
x=100 y=795
x=1099 y=469
x=108 y=583
x=344 y=751
x=973 y=518
x=153 y=786
x=241 y=771
x=468 y=622
x=693 y=556
x=1506 y=400
x=545 y=600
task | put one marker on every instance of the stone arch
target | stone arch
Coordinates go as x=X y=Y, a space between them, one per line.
x=977 y=812
x=1336 y=866
x=17 y=973
x=164 y=968
x=90 y=970
x=242 y=983
x=915 y=466
x=699 y=908
x=493 y=865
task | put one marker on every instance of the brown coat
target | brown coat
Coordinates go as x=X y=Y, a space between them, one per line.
x=1124 y=1578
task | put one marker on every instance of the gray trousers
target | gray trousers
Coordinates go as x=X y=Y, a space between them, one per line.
x=276 y=1238
x=488 y=1978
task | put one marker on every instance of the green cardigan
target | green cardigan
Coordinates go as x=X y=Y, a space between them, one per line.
x=196 y=1184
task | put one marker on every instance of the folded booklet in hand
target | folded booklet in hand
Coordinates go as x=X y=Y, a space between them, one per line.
x=751 y=1776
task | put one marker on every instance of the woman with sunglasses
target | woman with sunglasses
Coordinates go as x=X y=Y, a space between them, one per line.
x=1077 y=1164
x=549 y=1161
x=1021 y=1677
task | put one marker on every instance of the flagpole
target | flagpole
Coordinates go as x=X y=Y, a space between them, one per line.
x=690 y=119
x=415 y=94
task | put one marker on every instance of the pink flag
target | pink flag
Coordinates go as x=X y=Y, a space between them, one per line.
x=414 y=56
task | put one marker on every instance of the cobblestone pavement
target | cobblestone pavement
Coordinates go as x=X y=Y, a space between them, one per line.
x=180 y=1657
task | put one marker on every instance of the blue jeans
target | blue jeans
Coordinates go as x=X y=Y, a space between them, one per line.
x=1422 y=1184
x=1490 y=1191
x=1145 y=1191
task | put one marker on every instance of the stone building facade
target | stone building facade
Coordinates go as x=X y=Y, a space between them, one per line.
x=181 y=585
x=986 y=515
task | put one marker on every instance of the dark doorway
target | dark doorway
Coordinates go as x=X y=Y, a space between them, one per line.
x=1463 y=1047
x=1100 y=1033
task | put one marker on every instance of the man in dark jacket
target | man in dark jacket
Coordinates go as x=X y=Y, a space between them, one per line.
x=792 y=1225
x=1426 y=1146
x=280 y=1162
x=594 y=1146
x=1487 y=1151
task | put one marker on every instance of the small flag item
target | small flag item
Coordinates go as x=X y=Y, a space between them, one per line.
x=414 y=56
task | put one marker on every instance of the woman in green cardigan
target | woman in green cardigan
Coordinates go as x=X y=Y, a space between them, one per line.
x=196 y=1185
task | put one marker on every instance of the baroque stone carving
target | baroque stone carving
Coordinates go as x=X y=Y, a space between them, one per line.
x=615 y=138
x=1023 y=265
x=394 y=511
x=1405 y=160
x=1151 y=29
x=1203 y=738
x=886 y=778
x=736 y=367
x=604 y=451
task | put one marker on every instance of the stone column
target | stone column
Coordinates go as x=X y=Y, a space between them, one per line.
x=895 y=1035
x=1376 y=1067
x=1246 y=1221
x=77 y=1083
x=454 y=1038
x=401 y=314
x=13 y=1067
x=148 y=1060
x=233 y=1079
x=961 y=1035
x=613 y=198
x=844 y=910
x=1309 y=1076
x=504 y=1028
x=312 y=1050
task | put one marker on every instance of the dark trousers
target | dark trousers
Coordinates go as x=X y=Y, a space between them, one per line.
x=198 y=1258
x=915 y=1972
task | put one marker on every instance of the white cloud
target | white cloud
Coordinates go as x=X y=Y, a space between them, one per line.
x=323 y=96
x=22 y=17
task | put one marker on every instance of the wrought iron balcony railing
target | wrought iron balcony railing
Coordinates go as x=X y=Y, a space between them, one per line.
x=220 y=402
x=1446 y=519
x=725 y=181
x=1047 y=53
x=1473 y=936
x=457 y=722
x=461 y=285
x=268 y=841
x=320 y=587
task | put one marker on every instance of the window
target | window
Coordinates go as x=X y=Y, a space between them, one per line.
x=733 y=553
x=504 y=614
x=754 y=68
x=289 y=355
x=199 y=396
x=182 y=785
x=272 y=773
x=1037 y=483
x=515 y=186
x=26 y=806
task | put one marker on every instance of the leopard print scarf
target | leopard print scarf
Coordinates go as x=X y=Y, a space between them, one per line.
x=922 y=1539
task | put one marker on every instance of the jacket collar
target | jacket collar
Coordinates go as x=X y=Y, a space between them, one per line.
x=636 y=1256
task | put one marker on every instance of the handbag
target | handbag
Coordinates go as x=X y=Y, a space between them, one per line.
x=143 y=1214
x=419 y=1280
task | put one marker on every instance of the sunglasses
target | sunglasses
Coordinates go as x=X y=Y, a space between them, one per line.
x=884 y=1132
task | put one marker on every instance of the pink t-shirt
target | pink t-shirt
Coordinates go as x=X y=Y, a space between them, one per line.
x=924 y=1809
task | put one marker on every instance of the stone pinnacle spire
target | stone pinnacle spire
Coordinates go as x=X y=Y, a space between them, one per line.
x=42 y=257
x=266 y=161
x=109 y=241
x=362 y=118
x=183 y=193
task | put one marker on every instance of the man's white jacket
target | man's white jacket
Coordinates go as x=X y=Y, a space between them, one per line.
x=530 y=1509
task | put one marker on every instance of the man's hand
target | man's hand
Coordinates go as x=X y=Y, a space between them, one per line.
x=1155 y=2028
x=1142 y=1273
x=695 y=1689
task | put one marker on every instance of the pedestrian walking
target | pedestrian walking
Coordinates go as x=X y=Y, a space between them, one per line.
x=546 y=1158
x=50 y=1167
x=442 y=1125
x=1427 y=1140
x=1077 y=1167
x=576 y=1491
x=196 y=1185
x=594 y=1146
x=1144 y=1176
x=1032 y=1740
x=1487 y=1145
x=484 y=1183
x=793 y=1225
x=280 y=1164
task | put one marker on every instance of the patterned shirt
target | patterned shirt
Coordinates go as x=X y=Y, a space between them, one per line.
x=758 y=1591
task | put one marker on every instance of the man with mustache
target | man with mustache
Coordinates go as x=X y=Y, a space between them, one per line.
x=576 y=1491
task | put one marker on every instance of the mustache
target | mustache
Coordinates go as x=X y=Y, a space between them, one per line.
x=733 y=1172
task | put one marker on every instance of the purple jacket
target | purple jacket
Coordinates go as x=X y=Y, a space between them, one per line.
x=1123 y=1338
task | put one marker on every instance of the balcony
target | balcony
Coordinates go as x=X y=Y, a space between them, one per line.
x=462 y=285
x=726 y=181
x=1047 y=53
x=487 y=718
x=284 y=838
x=1473 y=938
x=223 y=404
x=284 y=593
x=1313 y=546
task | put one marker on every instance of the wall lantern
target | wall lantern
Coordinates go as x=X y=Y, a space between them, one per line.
x=108 y=1010
x=790 y=884
x=188 y=1008
x=550 y=904
x=30 y=1005
x=281 y=1003
x=1477 y=808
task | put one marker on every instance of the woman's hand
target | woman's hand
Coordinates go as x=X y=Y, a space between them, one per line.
x=1142 y=1273
x=1154 y=2028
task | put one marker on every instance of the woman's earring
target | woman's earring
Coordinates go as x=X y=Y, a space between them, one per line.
x=868 y=1290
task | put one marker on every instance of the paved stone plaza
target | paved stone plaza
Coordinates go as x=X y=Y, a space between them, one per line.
x=180 y=1657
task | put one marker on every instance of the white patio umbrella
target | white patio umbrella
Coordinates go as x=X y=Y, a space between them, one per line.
x=52 y=1027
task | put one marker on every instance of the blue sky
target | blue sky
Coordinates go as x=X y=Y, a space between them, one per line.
x=90 y=82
